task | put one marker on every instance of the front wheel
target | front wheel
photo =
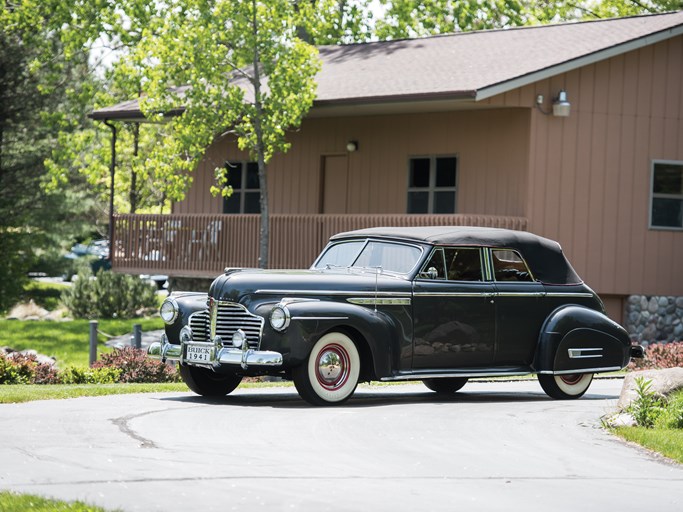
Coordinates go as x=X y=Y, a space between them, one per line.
x=445 y=386
x=565 y=387
x=330 y=375
x=206 y=382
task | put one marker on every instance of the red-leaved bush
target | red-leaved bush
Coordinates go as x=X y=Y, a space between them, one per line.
x=17 y=368
x=135 y=366
x=659 y=356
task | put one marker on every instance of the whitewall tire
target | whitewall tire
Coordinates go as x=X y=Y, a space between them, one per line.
x=330 y=375
x=565 y=387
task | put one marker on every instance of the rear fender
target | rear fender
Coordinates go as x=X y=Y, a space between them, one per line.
x=578 y=339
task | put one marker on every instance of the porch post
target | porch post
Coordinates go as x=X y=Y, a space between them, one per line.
x=112 y=171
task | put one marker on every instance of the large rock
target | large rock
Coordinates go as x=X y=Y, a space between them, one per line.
x=664 y=382
x=40 y=358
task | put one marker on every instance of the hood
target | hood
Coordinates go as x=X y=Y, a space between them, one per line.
x=235 y=286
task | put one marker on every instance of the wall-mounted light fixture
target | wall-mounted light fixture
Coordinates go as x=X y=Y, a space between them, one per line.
x=352 y=146
x=561 y=106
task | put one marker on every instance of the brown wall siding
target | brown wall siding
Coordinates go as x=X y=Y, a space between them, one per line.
x=583 y=180
x=491 y=147
x=589 y=175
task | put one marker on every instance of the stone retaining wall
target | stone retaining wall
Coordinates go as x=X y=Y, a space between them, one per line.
x=654 y=318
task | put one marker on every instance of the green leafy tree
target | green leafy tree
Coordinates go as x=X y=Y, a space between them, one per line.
x=413 y=18
x=38 y=97
x=618 y=8
x=334 y=21
x=139 y=185
x=238 y=68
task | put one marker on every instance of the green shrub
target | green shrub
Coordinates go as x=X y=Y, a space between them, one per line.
x=75 y=375
x=672 y=415
x=135 y=366
x=25 y=369
x=11 y=373
x=109 y=295
x=647 y=407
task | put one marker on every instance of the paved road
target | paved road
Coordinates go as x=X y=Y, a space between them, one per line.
x=494 y=446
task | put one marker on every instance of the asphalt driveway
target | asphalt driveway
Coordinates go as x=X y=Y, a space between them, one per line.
x=494 y=446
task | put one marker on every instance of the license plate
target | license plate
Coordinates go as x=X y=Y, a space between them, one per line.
x=198 y=354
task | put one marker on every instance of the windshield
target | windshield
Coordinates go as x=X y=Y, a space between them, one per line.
x=390 y=256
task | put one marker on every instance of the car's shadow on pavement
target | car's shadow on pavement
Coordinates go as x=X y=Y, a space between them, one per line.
x=370 y=398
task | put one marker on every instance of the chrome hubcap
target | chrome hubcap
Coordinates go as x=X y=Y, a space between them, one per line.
x=332 y=366
x=571 y=379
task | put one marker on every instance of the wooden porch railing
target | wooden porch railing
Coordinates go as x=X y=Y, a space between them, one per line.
x=197 y=245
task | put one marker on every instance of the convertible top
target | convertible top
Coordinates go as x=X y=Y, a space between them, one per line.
x=544 y=257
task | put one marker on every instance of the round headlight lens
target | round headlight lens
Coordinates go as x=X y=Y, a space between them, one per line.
x=169 y=311
x=279 y=318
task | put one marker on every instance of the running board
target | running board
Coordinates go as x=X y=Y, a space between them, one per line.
x=470 y=374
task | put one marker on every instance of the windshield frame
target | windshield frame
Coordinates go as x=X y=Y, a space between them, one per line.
x=366 y=241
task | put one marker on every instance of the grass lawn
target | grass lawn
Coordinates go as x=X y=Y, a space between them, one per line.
x=45 y=295
x=67 y=341
x=10 y=501
x=18 y=393
x=668 y=442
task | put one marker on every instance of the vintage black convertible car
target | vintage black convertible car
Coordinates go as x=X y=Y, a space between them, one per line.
x=437 y=304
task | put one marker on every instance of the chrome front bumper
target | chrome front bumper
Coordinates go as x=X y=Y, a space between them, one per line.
x=243 y=357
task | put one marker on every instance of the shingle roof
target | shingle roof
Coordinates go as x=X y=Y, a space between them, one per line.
x=469 y=65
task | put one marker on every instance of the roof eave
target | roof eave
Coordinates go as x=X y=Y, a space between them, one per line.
x=586 y=60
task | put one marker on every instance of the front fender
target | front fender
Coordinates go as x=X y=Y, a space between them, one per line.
x=188 y=303
x=578 y=338
x=377 y=333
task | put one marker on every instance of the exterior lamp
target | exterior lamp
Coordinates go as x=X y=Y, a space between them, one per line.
x=561 y=107
x=352 y=146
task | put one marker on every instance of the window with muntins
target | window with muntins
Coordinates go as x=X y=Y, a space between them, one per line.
x=666 y=210
x=432 y=184
x=243 y=178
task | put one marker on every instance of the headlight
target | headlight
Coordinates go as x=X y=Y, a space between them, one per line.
x=169 y=311
x=279 y=318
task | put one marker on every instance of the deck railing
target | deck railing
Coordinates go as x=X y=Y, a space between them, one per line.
x=198 y=245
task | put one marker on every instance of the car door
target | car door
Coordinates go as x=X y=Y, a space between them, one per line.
x=453 y=312
x=519 y=308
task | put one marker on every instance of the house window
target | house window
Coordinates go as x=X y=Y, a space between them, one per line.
x=243 y=178
x=431 y=184
x=667 y=195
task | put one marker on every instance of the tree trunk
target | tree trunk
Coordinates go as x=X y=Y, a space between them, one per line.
x=264 y=233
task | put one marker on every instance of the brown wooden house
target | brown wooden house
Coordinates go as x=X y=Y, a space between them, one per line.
x=571 y=131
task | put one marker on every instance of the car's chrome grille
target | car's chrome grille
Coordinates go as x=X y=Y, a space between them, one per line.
x=199 y=323
x=229 y=318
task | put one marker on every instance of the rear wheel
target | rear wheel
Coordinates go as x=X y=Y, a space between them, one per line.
x=565 y=387
x=445 y=386
x=330 y=375
x=206 y=382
